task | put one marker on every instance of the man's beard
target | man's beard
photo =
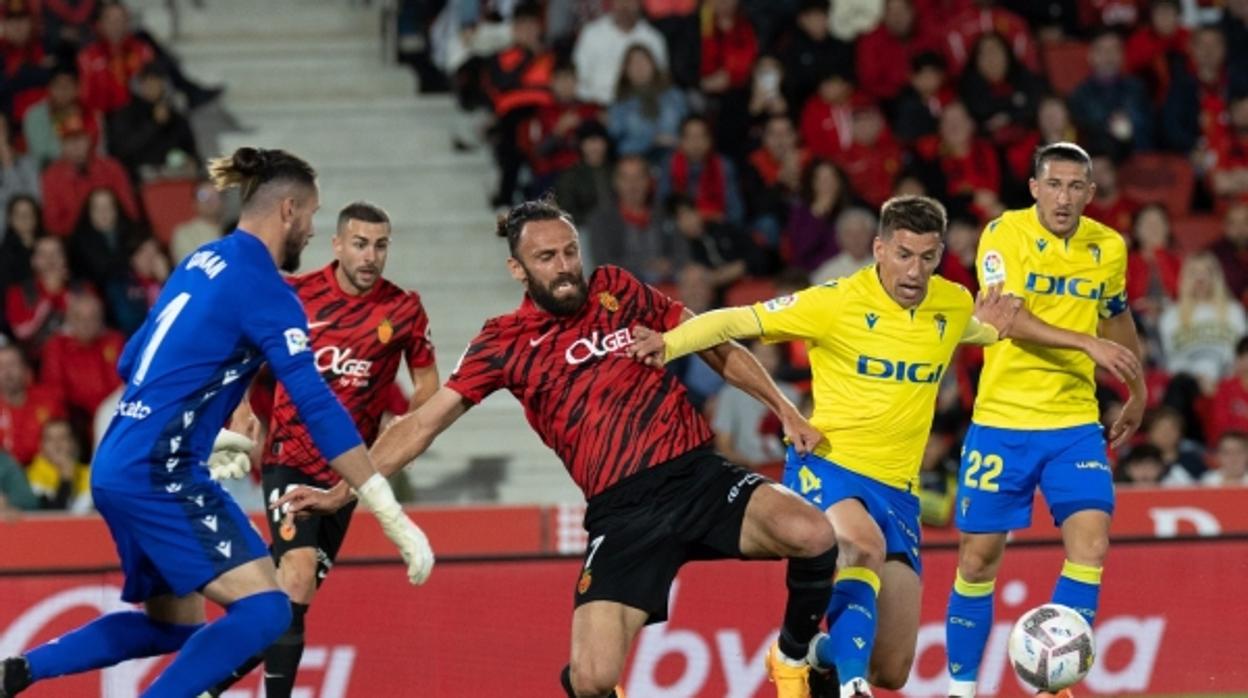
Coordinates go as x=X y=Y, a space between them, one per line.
x=545 y=298
x=290 y=257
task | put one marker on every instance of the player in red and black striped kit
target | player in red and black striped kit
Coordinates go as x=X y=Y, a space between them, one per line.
x=360 y=325
x=658 y=496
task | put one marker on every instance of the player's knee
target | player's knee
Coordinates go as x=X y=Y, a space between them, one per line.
x=591 y=679
x=268 y=614
x=978 y=563
x=297 y=574
x=861 y=547
x=809 y=534
x=1089 y=550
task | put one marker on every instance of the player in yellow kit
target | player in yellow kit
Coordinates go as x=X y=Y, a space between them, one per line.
x=880 y=341
x=1036 y=422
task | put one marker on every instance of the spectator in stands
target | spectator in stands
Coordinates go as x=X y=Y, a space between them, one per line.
x=697 y=293
x=729 y=49
x=625 y=230
x=773 y=177
x=601 y=46
x=24 y=407
x=883 y=56
x=1153 y=264
x=919 y=105
x=810 y=236
x=1232 y=462
x=722 y=248
x=22 y=224
x=66 y=26
x=851 y=19
x=205 y=227
x=1110 y=205
x=678 y=22
x=582 y=188
x=1198 y=333
x=809 y=51
x=1111 y=14
x=15 y=494
x=517 y=81
x=1143 y=466
x=23 y=65
x=855 y=230
x=1234 y=26
x=963 y=29
x=999 y=91
x=1228 y=177
x=646 y=115
x=1184 y=458
x=18 y=173
x=827 y=117
x=43 y=121
x=739 y=420
x=696 y=170
x=150 y=136
x=1195 y=106
x=133 y=295
x=108 y=64
x=1153 y=49
x=58 y=476
x=1053 y=125
x=766 y=97
x=101 y=242
x=35 y=307
x=1229 y=408
x=961 y=245
x=1232 y=250
x=68 y=182
x=80 y=361
x=873 y=157
x=960 y=167
x=551 y=133
x=1112 y=108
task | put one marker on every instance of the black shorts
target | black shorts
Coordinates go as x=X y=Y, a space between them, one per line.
x=325 y=533
x=644 y=528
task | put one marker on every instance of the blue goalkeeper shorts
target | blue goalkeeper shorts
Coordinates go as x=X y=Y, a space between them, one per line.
x=824 y=483
x=177 y=542
x=1001 y=469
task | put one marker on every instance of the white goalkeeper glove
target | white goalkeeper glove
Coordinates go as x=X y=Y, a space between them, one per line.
x=376 y=494
x=231 y=456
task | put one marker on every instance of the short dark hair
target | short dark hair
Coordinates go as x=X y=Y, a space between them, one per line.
x=512 y=223
x=1143 y=452
x=250 y=169
x=362 y=211
x=919 y=214
x=695 y=119
x=1063 y=152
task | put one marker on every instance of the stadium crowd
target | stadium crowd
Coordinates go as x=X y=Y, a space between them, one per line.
x=723 y=150
x=96 y=152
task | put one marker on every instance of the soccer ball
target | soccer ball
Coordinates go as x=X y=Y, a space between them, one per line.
x=1052 y=647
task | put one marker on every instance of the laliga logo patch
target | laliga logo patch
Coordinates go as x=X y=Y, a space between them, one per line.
x=608 y=301
x=993 y=267
x=296 y=340
x=777 y=304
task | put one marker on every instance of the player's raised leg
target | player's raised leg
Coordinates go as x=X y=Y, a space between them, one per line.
x=602 y=633
x=778 y=523
x=968 y=621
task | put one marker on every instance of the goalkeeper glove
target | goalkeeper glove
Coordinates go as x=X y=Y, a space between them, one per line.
x=231 y=456
x=376 y=494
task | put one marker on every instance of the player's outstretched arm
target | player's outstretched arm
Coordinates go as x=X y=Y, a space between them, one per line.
x=695 y=333
x=408 y=436
x=1120 y=329
x=1108 y=354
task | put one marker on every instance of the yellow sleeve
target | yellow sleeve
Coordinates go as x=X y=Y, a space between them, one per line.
x=1114 y=298
x=998 y=260
x=710 y=329
x=980 y=333
x=802 y=315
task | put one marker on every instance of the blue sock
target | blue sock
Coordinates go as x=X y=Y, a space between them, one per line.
x=248 y=626
x=968 y=623
x=1079 y=588
x=851 y=635
x=107 y=640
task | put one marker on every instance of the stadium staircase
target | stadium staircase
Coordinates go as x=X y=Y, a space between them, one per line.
x=308 y=76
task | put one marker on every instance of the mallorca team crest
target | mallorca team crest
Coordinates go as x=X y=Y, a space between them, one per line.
x=608 y=301
x=385 y=330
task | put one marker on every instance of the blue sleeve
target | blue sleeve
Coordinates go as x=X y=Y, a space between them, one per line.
x=280 y=329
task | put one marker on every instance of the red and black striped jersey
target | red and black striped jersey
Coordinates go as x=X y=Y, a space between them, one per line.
x=605 y=415
x=357 y=342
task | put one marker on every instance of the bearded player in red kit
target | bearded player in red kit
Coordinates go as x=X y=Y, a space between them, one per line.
x=360 y=325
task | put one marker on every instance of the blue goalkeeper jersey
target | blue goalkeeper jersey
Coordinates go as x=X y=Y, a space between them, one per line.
x=224 y=312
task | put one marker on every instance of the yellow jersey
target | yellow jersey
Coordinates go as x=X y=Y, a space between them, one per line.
x=876 y=366
x=1069 y=283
